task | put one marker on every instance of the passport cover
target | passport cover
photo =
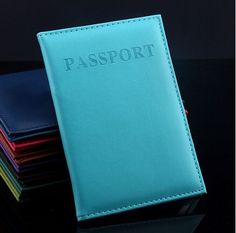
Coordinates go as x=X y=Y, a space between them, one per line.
x=31 y=148
x=26 y=107
x=123 y=126
x=28 y=186
x=30 y=143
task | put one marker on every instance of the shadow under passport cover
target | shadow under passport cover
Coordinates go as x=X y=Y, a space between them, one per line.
x=122 y=122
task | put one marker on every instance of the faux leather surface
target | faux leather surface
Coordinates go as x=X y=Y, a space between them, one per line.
x=123 y=126
x=30 y=143
x=32 y=149
x=26 y=107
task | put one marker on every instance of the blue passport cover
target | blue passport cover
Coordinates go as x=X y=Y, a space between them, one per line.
x=124 y=131
x=26 y=107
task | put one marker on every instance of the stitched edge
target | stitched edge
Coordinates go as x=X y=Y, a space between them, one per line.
x=58 y=32
x=179 y=100
x=128 y=207
x=81 y=28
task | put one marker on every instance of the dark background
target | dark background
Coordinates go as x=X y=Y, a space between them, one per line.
x=199 y=29
x=201 y=40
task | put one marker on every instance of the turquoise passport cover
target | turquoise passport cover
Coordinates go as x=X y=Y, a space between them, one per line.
x=122 y=122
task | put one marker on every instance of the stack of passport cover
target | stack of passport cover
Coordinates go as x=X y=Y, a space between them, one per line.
x=31 y=154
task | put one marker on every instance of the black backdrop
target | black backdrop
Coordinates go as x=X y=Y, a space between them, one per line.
x=199 y=29
x=196 y=29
